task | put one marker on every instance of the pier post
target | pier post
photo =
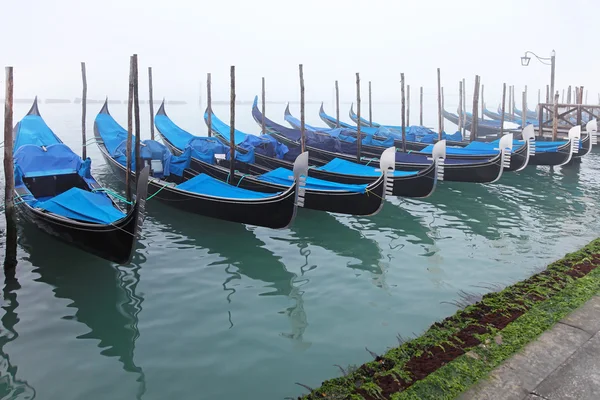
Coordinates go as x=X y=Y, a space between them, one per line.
x=128 y=182
x=421 y=106
x=569 y=95
x=83 y=112
x=443 y=108
x=403 y=112
x=503 y=109
x=407 y=105
x=548 y=100
x=232 y=127
x=555 y=118
x=440 y=117
x=460 y=109
x=10 y=256
x=482 y=101
x=302 y=139
x=579 y=103
x=475 y=123
x=209 y=102
x=264 y=102
x=337 y=105
x=151 y=102
x=136 y=115
x=370 y=108
x=358 y=134
x=524 y=113
x=464 y=85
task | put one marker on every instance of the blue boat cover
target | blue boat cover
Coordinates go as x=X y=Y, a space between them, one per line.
x=173 y=133
x=56 y=159
x=82 y=205
x=32 y=129
x=341 y=166
x=283 y=176
x=207 y=185
x=204 y=148
x=224 y=129
x=114 y=137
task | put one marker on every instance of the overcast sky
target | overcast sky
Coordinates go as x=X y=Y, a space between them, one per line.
x=183 y=40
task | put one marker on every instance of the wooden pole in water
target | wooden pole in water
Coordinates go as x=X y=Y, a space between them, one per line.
x=586 y=96
x=439 y=82
x=569 y=95
x=539 y=96
x=562 y=99
x=421 y=107
x=264 y=102
x=209 y=102
x=358 y=135
x=443 y=105
x=129 y=133
x=460 y=109
x=503 y=109
x=548 y=100
x=403 y=113
x=370 y=108
x=136 y=113
x=10 y=256
x=464 y=83
x=407 y=105
x=579 y=103
x=151 y=102
x=232 y=127
x=475 y=123
x=302 y=139
x=555 y=118
x=337 y=105
x=524 y=115
x=83 y=112
x=482 y=101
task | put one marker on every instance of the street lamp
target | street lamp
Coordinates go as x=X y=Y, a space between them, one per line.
x=544 y=60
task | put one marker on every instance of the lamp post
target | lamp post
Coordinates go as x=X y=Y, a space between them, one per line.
x=544 y=60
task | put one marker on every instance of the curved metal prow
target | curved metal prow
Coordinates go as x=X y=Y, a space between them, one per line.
x=387 y=165
x=439 y=158
x=506 y=147
x=592 y=129
x=300 y=174
x=528 y=135
x=34 y=110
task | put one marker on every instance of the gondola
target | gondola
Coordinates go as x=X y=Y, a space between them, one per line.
x=173 y=183
x=363 y=199
x=487 y=130
x=55 y=191
x=418 y=184
x=322 y=147
x=472 y=151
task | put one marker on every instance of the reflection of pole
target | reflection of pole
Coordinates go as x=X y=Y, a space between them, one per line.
x=10 y=260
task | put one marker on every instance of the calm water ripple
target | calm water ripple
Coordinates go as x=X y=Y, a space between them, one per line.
x=216 y=310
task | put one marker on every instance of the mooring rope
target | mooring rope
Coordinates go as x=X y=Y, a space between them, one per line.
x=158 y=191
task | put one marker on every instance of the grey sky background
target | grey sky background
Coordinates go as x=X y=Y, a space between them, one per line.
x=183 y=40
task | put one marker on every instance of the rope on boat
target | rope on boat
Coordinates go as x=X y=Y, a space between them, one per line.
x=241 y=179
x=116 y=195
x=158 y=191
x=370 y=192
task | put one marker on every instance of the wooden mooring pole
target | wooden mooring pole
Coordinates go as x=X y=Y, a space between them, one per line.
x=407 y=105
x=568 y=95
x=421 y=106
x=83 y=112
x=475 y=123
x=151 y=102
x=443 y=108
x=460 y=109
x=264 y=102
x=440 y=117
x=337 y=105
x=524 y=112
x=302 y=139
x=464 y=84
x=136 y=114
x=370 y=108
x=209 y=102
x=403 y=112
x=358 y=134
x=555 y=118
x=10 y=256
x=503 y=109
x=128 y=182
x=482 y=102
x=232 y=126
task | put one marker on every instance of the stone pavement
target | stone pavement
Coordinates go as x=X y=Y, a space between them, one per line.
x=563 y=363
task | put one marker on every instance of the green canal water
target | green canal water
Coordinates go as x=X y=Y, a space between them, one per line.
x=214 y=310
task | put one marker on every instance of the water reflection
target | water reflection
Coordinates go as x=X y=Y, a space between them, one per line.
x=104 y=296
x=10 y=386
x=241 y=253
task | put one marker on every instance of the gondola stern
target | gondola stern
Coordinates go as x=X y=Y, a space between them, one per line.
x=300 y=175
x=104 y=109
x=161 y=109
x=387 y=164
x=34 y=110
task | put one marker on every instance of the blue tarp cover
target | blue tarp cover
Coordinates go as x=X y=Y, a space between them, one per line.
x=340 y=166
x=205 y=148
x=111 y=132
x=32 y=129
x=173 y=133
x=205 y=184
x=83 y=206
x=58 y=159
x=283 y=176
